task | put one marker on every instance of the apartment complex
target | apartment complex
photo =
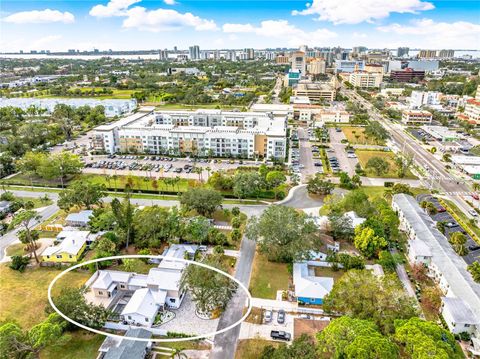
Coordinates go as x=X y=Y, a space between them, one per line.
x=407 y=75
x=427 y=246
x=315 y=91
x=411 y=117
x=201 y=132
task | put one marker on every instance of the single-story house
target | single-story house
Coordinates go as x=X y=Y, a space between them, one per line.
x=68 y=250
x=113 y=348
x=458 y=315
x=80 y=219
x=356 y=220
x=73 y=233
x=310 y=289
x=144 y=306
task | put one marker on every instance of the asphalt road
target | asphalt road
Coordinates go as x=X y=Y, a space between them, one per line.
x=10 y=237
x=225 y=344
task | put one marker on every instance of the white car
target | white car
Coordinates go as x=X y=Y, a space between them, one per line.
x=472 y=212
x=267 y=317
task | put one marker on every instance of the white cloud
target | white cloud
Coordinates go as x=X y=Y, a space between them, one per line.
x=282 y=29
x=359 y=35
x=40 y=17
x=357 y=11
x=113 y=8
x=459 y=34
x=165 y=20
x=170 y=2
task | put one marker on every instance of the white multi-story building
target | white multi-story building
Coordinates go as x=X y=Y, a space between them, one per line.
x=461 y=301
x=364 y=79
x=411 y=117
x=421 y=98
x=201 y=132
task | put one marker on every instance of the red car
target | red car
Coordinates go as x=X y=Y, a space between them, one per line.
x=441 y=209
x=475 y=196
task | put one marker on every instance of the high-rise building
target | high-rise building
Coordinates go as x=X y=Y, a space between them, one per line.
x=316 y=67
x=402 y=51
x=282 y=59
x=249 y=54
x=446 y=54
x=297 y=62
x=194 y=52
x=163 y=55
x=427 y=54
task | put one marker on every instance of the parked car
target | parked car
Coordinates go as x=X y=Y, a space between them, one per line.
x=475 y=196
x=451 y=224
x=280 y=335
x=267 y=316
x=281 y=316
x=441 y=209
x=472 y=212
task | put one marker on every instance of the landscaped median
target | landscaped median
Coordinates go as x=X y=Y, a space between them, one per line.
x=457 y=215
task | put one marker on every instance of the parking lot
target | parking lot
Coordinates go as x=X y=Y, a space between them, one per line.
x=452 y=226
x=159 y=165
x=346 y=161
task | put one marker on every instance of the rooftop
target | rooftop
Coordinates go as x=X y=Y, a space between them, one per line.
x=307 y=285
x=129 y=349
x=460 y=310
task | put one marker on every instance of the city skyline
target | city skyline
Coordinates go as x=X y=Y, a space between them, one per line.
x=140 y=25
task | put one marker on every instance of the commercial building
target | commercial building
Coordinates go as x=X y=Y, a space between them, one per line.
x=467 y=164
x=461 y=301
x=348 y=65
x=282 y=59
x=441 y=133
x=422 y=65
x=201 y=132
x=315 y=91
x=292 y=77
x=365 y=79
x=374 y=68
x=407 y=75
x=317 y=116
x=112 y=107
x=419 y=99
x=471 y=112
x=316 y=67
x=412 y=117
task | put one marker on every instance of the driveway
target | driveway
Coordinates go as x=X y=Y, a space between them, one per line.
x=250 y=330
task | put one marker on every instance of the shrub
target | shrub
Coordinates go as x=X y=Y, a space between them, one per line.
x=218 y=250
x=236 y=222
x=19 y=263
x=236 y=235
x=235 y=211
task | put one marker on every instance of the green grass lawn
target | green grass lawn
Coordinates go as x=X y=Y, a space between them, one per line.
x=268 y=277
x=253 y=348
x=37 y=202
x=24 y=295
x=328 y=272
x=364 y=156
x=180 y=106
x=356 y=136
x=16 y=250
x=378 y=191
x=82 y=345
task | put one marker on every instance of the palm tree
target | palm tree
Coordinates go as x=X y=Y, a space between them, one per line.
x=458 y=241
x=178 y=353
x=208 y=169
x=476 y=186
x=198 y=171
x=115 y=177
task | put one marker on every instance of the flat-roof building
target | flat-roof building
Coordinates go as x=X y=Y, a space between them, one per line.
x=412 y=117
x=315 y=91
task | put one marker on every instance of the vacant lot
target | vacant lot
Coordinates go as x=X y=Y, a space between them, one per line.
x=356 y=136
x=253 y=348
x=24 y=295
x=364 y=156
x=268 y=278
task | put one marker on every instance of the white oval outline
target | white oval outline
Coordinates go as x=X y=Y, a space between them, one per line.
x=204 y=336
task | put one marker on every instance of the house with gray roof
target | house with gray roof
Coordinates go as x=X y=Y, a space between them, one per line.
x=113 y=348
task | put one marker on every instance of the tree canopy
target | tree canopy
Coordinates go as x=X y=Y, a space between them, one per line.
x=203 y=200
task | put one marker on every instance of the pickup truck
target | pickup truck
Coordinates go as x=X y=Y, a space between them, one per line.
x=280 y=335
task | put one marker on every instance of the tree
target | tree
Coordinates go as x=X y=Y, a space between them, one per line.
x=247 y=184
x=16 y=343
x=275 y=178
x=378 y=165
x=341 y=226
x=27 y=220
x=197 y=229
x=154 y=225
x=60 y=166
x=474 y=270
x=401 y=188
x=360 y=294
x=123 y=212
x=425 y=339
x=283 y=234
x=210 y=290
x=347 y=337
x=458 y=241
x=302 y=347
x=316 y=185
x=388 y=261
x=81 y=193
x=220 y=181
x=203 y=200
x=72 y=303
x=367 y=242
x=430 y=299
x=19 y=263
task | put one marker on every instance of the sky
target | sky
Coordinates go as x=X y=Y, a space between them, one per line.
x=147 y=24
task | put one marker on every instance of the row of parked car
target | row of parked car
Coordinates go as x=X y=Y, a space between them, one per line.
x=174 y=159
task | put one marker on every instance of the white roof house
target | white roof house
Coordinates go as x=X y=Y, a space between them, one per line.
x=79 y=219
x=458 y=315
x=356 y=220
x=308 y=287
x=70 y=245
x=144 y=305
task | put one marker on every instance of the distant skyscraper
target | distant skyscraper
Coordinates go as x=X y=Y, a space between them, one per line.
x=194 y=52
x=163 y=55
x=446 y=54
x=402 y=51
x=175 y=49
x=249 y=54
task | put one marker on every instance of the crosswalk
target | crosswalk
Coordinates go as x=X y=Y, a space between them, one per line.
x=460 y=193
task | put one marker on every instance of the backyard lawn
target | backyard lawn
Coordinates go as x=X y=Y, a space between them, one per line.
x=328 y=272
x=364 y=156
x=24 y=295
x=268 y=277
x=82 y=345
x=253 y=348
x=356 y=136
